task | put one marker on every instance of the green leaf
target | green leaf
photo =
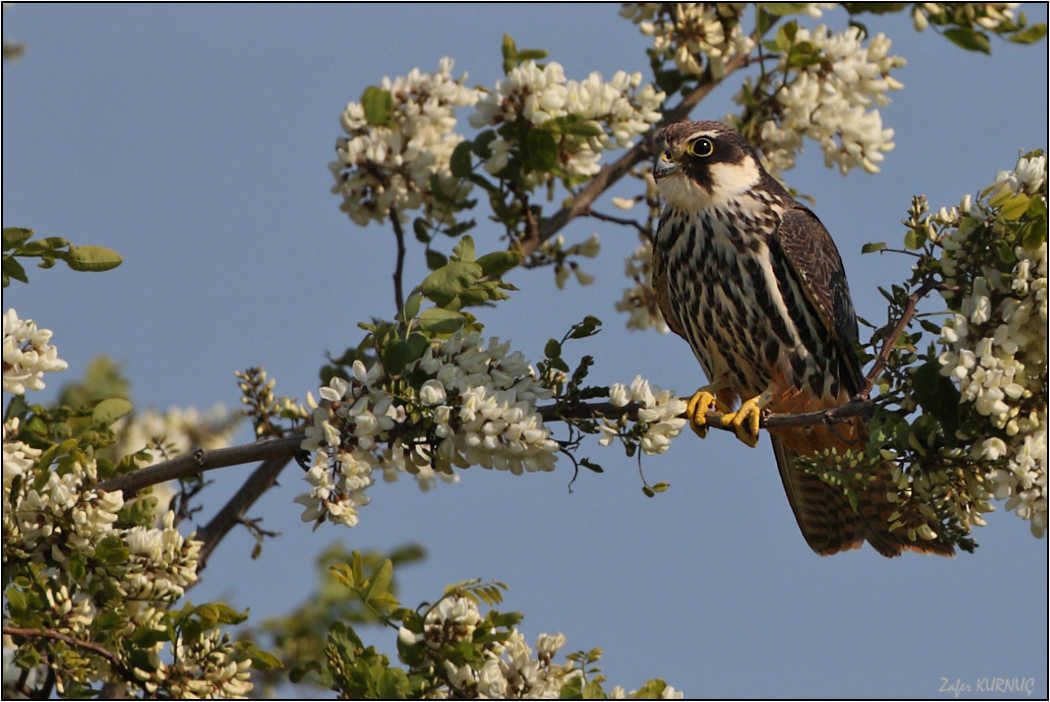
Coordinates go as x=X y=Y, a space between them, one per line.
x=786 y=35
x=421 y=230
x=532 y=55
x=481 y=142
x=92 y=258
x=261 y=660
x=458 y=228
x=1005 y=251
x=499 y=262
x=13 y=237
x=1015 y=207
x=540 y=151
x=147 y=637
x=444 y=284
x=378 y=105
x=552 y=349
x=16 y=600
x=400 y=352
x=108 y=411
x=938 y=396
x=1036 y=206
x=411 y=308
x=588 y=327
x=1030 y=35
x=297 y=673
x=873 y=247
x=784 y=8
x=440 y=321
x=510 y=53
x=344 y=574
x=379 y=583
x=13 y=269
x=913 y=240
x=111 y=551
x=464 y=250
x=460 y=160
x=969 y=39
x=572 y=124
x=436 y=259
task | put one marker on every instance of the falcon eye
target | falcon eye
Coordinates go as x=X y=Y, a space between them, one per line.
x=702 y=147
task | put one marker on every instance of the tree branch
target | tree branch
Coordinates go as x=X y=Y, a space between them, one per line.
x=232 y=514
x=104 y=653
x=200 y=461
x=278 y=452
x=399 y=234
x=891 y=341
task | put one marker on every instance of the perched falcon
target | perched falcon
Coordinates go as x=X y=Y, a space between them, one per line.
x=752 y=280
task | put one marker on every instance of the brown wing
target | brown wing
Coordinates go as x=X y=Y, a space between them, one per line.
x=826 y=518
x=807 y=245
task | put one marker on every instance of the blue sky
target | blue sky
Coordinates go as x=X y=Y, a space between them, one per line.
x=194 y=140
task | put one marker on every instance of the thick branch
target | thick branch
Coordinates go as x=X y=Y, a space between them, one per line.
x=612 y=172
x=278 y=452
x=232 y=514
x=200 y=461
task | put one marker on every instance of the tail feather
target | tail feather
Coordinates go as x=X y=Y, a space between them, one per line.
x=825 y=516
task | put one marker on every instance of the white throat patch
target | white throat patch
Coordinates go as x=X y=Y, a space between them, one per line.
x=729 y=181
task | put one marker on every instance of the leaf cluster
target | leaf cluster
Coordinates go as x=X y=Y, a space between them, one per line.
x=19 y=243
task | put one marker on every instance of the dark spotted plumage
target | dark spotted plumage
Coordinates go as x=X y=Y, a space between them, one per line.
x=752 y=280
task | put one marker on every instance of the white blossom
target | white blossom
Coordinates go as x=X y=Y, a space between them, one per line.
x=995 y=349
x=479 y=407
x=833 y=101
x=616 y=111
x=392 y=165
x=27 y=354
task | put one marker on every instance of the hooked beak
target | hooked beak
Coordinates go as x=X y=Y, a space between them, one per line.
x=664 y=166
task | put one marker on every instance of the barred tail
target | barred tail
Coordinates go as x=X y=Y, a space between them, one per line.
x=828 y=522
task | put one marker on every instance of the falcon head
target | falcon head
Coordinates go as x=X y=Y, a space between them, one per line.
x=702 y=165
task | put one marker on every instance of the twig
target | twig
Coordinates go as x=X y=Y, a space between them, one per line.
x=891 y=341
x=110 y=657
x=399 y=234
x=617 y=220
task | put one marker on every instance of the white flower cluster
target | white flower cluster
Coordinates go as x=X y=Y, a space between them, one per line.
x=996 y=349
x=59 y=520
x=618 y=111
x=478 y=407
x=68 y=535
x=27 y=355
x=508 y=670
x=832 y=101
x=695 y=30
x=989 y=15
x=639 y=301
x=660 y=413
x=392 y=165
x=210 y=668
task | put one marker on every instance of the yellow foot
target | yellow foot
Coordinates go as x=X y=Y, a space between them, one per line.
x=702 y=402
x=745 y=420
